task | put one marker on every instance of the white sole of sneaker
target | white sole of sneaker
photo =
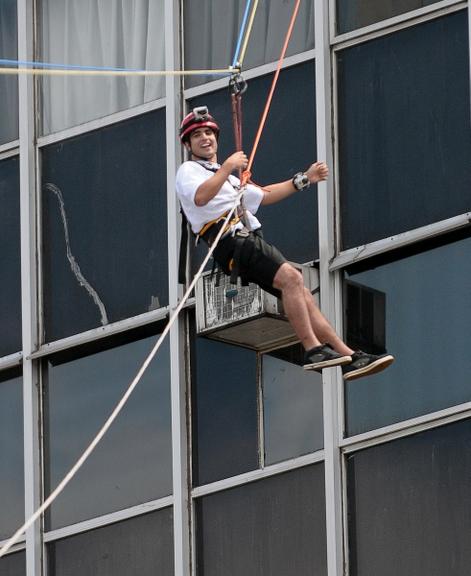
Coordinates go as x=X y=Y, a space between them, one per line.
x=328 y=363
x=372 y=368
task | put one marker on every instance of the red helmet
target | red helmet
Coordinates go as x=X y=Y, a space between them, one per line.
x=197 y=118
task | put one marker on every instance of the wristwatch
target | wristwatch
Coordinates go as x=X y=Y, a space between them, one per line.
x=301 y=181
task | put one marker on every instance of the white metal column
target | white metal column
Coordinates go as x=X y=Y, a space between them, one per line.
x=331 y=383
x=181 y=525
x=28 y=286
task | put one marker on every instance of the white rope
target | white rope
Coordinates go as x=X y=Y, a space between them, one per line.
x=50 y=499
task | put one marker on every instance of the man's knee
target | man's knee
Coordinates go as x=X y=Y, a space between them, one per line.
x=288 y=278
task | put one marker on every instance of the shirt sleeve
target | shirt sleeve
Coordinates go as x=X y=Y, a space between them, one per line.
x=253 y=198
x=188 y=179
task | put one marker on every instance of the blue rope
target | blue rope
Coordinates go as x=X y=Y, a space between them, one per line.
x=241 y=33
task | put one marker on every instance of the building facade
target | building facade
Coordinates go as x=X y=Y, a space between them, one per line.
x=226 y=461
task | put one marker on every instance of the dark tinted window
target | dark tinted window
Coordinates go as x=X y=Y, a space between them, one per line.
x=8 y=84
x=275 y=526
x=142 y=546
x=13 y=564
x=105 y=226
x=11 y=450
x=409 y=503
x=225 y=421
x=288 y=145
x=425 y=323
x=292 y=407
x=359 y=13
x=10 y=257
x=133 y=463
x=404 y=137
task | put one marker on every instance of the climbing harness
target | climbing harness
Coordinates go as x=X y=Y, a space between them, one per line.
x=120 y=405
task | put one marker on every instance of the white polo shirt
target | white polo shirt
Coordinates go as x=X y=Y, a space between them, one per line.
x=191 y=175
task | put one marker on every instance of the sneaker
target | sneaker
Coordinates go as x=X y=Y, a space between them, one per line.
x=364 y=364
x=323 y=357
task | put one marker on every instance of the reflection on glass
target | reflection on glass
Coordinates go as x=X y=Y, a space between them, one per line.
x=133 y=463
x=141 y=546
x=409 y=503
x=273 y=527
x=108 y=33
x=404 y=137
x=8 y=84
x=10 y=256
x=104 y=214
x=224 y=415
x=428 y=315
x=13 y=564
x=291 y=224
x=212 y=30
x=11 y=454
x=359 y=13
x=292 y=410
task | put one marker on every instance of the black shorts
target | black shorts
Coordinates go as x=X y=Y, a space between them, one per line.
x=258 y=260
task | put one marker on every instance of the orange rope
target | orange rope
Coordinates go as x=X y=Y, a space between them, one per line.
x=247 y=173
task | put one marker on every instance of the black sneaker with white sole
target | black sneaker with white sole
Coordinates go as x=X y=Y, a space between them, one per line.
x=364 y=364
x=324 y=357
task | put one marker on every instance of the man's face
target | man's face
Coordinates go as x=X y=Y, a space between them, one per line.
x=203 y=143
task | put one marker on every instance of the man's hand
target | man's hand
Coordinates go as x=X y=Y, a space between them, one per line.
x=236 y=161
x=317 y=172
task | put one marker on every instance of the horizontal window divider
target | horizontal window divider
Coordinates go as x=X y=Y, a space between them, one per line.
x=9 y=150
x=406 y=428
x=359 y=253
x=102 y=122
x=250 y=74
x=105 y=331
x=11 y=361
x=18 y=547
x=259 y=474
x=397 y=23
x=99 y=333
x=108 y=519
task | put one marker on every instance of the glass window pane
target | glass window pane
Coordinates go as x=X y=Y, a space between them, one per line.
x=291 y=224
x=104 y=211
x=141 y=546
x=292 y=406
x=409 y=503
x=104 y=33
x=275 y=526
x=404 y=138
x=10 y=257
x=212 y=31
x=8 y=84
x=13 y=564
x=133 y=463
x=427 y=319
x=352 y=14
x=11 y=450
x=225 y=419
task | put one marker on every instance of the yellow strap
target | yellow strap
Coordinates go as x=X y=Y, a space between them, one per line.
x=208 y=225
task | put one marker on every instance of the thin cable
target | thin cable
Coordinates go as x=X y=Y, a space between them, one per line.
x=246 y=175
x=241 y=33
x=248 y=33
x=51 y=69
x=126 y=395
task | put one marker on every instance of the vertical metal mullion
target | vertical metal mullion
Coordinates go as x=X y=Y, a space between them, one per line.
x=469 y=52
x=26 y=109
x=181 y=517
x=328 y=286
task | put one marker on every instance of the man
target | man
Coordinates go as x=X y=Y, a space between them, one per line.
x=207 y=192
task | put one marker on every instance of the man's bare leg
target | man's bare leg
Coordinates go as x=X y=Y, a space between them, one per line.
x=322 y=328
x=290 y=283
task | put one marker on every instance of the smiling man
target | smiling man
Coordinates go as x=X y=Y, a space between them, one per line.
x=207 y=191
